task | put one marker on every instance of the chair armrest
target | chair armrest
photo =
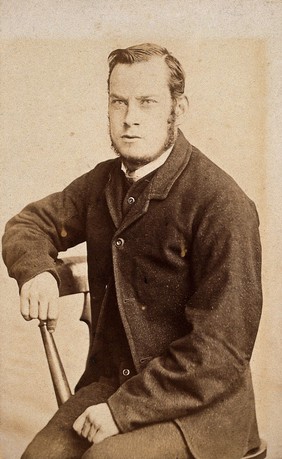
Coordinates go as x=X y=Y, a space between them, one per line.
x=73 y=275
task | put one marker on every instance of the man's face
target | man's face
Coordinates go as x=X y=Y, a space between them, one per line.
x=140 y=111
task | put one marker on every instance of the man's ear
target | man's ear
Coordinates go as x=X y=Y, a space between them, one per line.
x=181 y=109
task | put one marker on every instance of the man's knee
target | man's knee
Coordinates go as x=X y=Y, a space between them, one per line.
x=104 y=450
x=110 y=448
x=34 y=451
x=56 y=447
x=28 y=455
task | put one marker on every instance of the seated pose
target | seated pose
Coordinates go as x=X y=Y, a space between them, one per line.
x=174 y=265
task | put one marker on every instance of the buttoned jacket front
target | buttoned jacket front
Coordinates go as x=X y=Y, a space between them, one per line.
x=186 y=266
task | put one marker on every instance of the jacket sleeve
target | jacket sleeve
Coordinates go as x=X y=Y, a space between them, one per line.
x=34 y=237
x=207 y=364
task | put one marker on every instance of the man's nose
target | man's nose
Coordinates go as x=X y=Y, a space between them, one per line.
x=132 y=115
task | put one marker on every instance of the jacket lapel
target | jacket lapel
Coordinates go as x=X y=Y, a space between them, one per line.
x=169 y=172
x=113 y=193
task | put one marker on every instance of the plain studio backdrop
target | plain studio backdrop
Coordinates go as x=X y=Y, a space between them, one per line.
x=55 y=128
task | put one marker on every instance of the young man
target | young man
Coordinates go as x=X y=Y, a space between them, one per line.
x=174 y=273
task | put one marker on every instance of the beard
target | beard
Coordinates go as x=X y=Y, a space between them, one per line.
x=135 y=163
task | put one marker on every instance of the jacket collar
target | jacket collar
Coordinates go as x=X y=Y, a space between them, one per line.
x=143 y=171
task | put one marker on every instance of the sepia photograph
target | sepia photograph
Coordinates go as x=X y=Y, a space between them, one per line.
x=141 y=203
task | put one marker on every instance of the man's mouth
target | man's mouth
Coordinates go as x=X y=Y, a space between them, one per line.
x=130 y=138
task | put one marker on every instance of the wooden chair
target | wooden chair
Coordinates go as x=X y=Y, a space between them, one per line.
x=73 y=275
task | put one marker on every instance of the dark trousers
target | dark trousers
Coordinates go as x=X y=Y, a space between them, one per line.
x=58 y=440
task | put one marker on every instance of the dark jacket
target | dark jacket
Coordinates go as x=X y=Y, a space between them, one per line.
x=186 y=261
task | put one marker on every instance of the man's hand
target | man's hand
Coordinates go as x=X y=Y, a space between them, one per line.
x=96 y=423
x=39 y=299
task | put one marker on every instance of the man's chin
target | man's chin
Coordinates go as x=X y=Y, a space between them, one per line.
x=132 y=156
x=134 y=160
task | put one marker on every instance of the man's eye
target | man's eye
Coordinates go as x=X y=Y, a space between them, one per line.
x=148 y=101
x=118 y=102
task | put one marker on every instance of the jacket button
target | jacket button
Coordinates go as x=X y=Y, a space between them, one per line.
x=131 y=200
x=126 y=372
x=119 y=242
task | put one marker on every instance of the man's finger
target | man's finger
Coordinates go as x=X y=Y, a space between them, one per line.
x=79 y=423
x=51 y=325
x=92 y=434
x=43 y=308
x=52 y=315
x=86 y=428
x=33 y=307
x=24 y=307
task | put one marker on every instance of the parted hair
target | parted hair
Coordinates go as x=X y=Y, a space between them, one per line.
x=144 y=52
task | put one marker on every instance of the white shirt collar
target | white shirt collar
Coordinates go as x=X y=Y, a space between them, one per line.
x=145 y=170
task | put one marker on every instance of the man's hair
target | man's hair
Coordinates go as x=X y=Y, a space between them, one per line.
x=145 y=51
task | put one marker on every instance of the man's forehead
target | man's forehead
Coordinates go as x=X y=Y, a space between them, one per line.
x=140 y=76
